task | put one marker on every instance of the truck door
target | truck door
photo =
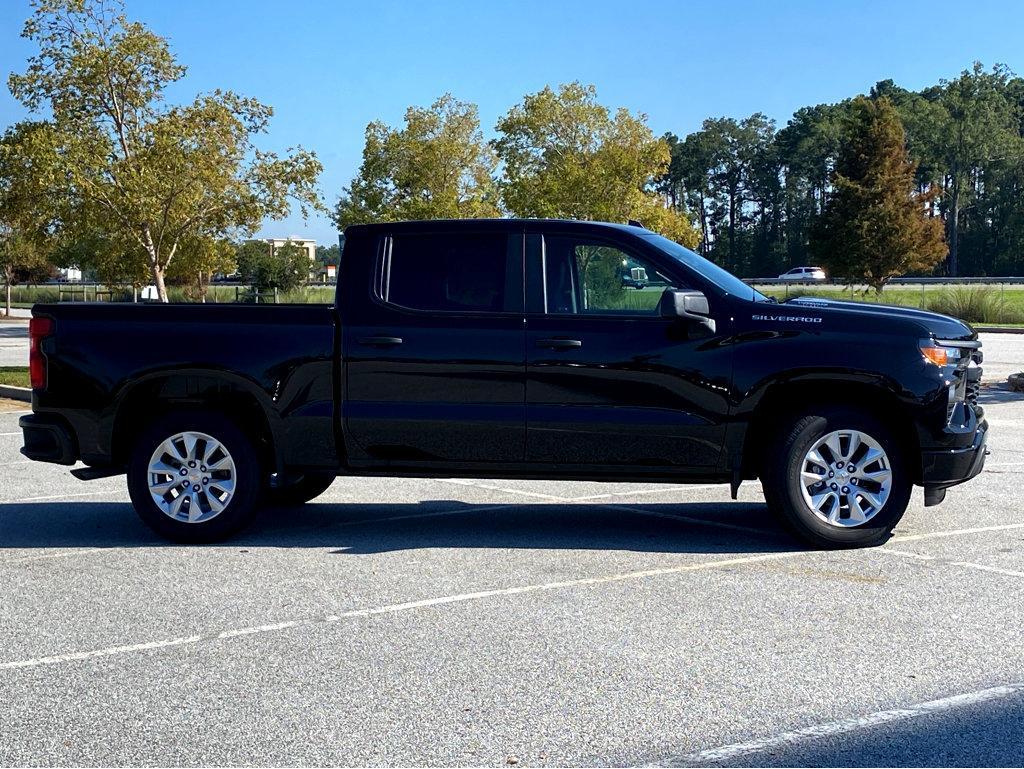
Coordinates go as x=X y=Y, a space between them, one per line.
x=610 y=381
x=435 y=363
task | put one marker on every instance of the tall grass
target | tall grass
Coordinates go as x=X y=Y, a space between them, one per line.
x=975 y=305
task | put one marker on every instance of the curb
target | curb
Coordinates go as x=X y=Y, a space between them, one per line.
x=16 y=393
x=999 y=330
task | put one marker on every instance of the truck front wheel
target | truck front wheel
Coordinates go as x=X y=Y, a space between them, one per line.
x=194 y=477
x=839 y=478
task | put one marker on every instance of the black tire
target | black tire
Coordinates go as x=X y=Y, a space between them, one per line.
x=240 y=506
x=305 y=489
x=783 y=490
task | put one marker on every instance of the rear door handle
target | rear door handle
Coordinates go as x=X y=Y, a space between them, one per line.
x=559 y=344
x=380 y=341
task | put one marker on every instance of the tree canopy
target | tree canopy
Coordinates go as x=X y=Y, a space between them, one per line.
x=437 y=166
x=26 y=167
x=565 y=155
x=875 y=224
x=267 y=268
x=757 y=194
x=133 y=171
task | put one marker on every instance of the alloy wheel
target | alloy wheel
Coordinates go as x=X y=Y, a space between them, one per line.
x=191 y=477
x=846 y=478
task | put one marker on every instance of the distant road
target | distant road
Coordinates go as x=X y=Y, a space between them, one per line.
x=13 y=344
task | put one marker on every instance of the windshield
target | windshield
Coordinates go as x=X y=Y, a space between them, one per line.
x=722 y=278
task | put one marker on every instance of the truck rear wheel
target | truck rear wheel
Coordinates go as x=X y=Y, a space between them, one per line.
x=194 y=477
x=839 y=478
x=307 y=488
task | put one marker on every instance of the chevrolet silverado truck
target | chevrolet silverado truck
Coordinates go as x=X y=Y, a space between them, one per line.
x=511 y=349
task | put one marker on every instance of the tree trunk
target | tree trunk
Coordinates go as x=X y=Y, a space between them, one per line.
x=7 y=307
x=161 y=288
x=954 y=229
x=705 y=245
x=155 y=267
x=732 y=230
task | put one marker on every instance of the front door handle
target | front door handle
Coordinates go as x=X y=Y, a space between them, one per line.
x=380 y=341
x=559 y=344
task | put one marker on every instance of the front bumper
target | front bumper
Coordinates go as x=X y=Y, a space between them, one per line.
x=942 y=468
x=48 y=439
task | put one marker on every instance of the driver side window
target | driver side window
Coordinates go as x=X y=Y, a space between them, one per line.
x=590 y=277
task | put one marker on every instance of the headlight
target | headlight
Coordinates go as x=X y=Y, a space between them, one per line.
x=939 y=355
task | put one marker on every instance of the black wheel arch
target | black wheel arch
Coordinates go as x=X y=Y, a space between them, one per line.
x=142 y=401
x=778 y=405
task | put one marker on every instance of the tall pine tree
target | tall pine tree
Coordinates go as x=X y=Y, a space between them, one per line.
x=876 y=225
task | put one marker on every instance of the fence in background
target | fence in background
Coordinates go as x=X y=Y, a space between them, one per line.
x=218 y=293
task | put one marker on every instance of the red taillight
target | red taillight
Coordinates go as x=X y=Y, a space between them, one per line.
x=38 y=329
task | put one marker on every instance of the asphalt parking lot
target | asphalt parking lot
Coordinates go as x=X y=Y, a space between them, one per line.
x=408 y=622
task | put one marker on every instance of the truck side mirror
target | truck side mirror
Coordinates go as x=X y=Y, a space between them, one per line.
x=691 y=305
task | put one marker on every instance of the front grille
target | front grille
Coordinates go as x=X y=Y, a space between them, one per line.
x=973 y=385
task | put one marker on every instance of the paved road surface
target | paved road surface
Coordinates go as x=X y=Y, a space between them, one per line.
x=13 y=344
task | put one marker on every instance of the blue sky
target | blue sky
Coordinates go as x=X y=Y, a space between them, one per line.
x=328 y=68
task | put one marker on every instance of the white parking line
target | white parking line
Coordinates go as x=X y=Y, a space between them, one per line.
x=6 y=434
x=905 y=553
x=728 y=753
x=65 y=554
x=956 y=532
x=460 y=598
x=488 y=487
x=993 y=569
x=686 y=519
x=588 y=498
x=62 y=496
x=642 y=492
x=395 y=609
x=948 y=562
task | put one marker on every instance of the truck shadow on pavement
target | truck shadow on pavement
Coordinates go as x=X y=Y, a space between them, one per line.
x=999 y=394
x=367 y=528
x=13 y=331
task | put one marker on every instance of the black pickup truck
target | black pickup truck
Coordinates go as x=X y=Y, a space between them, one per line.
x=512 y=349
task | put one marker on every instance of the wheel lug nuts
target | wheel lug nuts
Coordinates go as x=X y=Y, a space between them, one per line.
x=839 y=465
x=184 y=471
x=203 y=468
x=834 y=486
x=197 y=487
x=206 y=480
x=851 y=468
x=191 y=464
x=831 y=474
x=846 y=489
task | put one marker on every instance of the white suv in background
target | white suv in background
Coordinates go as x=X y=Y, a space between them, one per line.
x=804 y=274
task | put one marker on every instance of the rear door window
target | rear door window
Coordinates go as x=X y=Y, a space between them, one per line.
x=452 y=272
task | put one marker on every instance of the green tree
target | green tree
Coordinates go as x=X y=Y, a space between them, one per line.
x=981 y=126
x=437 y=166
x=565 y=155
x=21 y=261
x=283 y=268
x=807 y=147
x=26 y=165
x=141 y=171
x=198 y=260
x=875 y=224
x=328 y=255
